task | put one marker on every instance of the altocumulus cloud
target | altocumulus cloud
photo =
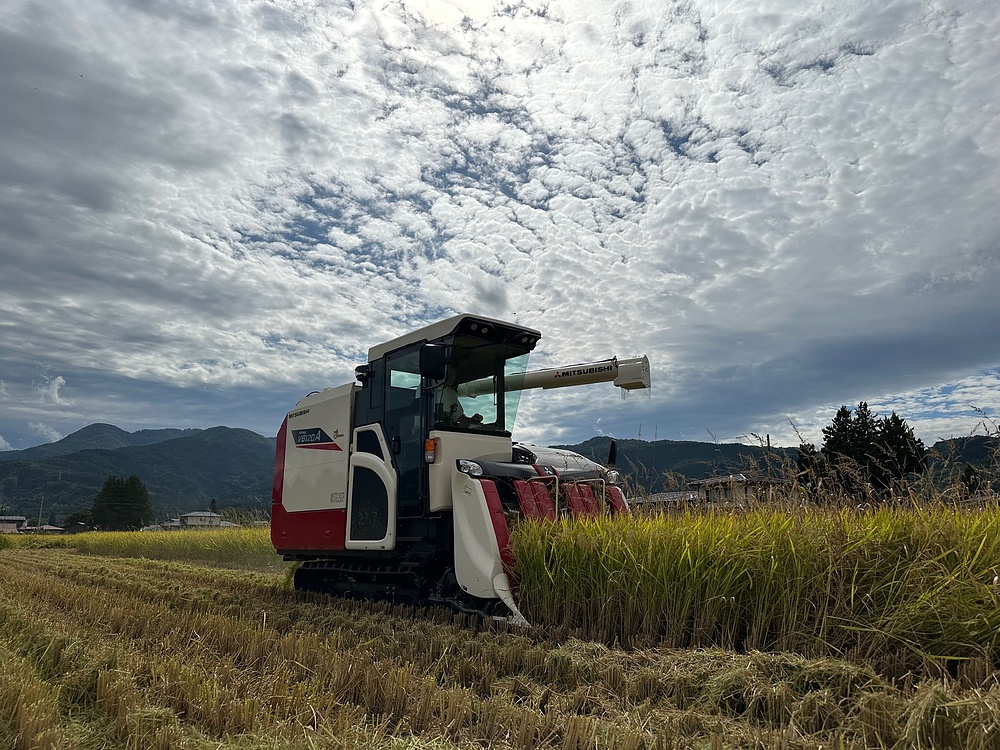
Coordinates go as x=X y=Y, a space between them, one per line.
x=208 y=211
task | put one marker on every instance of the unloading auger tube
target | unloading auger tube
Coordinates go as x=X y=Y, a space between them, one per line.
x=627 y=374
x=406 y=484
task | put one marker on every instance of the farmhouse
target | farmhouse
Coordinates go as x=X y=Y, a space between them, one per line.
x=12 y=524
x=203 y=519
x=737 y=490
x=199 y=519
x=665 y=499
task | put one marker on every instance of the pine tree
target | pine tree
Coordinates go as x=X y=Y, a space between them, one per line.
x=864 y=437
x=864 y=451
x=139 y=507
x=122 y=505
x=844 y=447
x=899 y=452
x=104 y=513
x=838 y=437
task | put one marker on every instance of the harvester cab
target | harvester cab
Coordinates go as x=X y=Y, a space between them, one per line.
x=405 y=484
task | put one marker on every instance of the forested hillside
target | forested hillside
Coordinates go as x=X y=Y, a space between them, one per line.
x=665 y=464
x=185 y=469
x=233 y=466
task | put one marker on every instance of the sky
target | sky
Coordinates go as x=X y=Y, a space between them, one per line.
x=210 y=208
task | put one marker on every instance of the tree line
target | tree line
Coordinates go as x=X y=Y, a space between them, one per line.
x=863 y=454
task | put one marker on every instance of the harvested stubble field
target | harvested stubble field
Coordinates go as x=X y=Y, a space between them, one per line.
x=103 y=648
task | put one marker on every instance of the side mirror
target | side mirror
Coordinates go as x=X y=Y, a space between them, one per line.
x=434 y=361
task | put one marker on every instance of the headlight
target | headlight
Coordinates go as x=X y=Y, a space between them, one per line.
x=611 y=477
x=469 y=467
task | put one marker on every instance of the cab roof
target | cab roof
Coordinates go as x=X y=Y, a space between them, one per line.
x=474 y=325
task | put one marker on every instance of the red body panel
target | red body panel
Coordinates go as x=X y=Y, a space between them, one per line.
x=617 y=500
x=578 y=502
x=526 y=499
x=589 y=500
x=500 y=527
x=534 y=500
x=318 y=530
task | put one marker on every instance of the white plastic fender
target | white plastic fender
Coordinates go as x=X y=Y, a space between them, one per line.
x=478 y=566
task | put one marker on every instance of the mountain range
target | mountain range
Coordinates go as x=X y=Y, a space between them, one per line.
x=185 y=470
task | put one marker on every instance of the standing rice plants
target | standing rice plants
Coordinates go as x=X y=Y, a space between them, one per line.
x=232 y=547
x=922 y=581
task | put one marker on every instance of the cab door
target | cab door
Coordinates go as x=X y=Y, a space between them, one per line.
x=405 y=428
x=371 y=504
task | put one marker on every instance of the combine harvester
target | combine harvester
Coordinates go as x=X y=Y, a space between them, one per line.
x=404 y=484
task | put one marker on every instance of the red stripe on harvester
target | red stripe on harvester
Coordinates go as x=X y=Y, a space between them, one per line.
x=277 y=483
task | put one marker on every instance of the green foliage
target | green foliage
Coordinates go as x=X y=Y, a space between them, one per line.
x=76 y=519
x=898 y=452
x=122 y=505
x=967 y=466
x=973 y=481
x=863 y=454
x=809 y=462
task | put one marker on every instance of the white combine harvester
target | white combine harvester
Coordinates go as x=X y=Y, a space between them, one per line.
x=404 y=484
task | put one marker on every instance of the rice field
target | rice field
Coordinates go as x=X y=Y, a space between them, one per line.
x=246 y=548
x=899 y=588
x=827 y=630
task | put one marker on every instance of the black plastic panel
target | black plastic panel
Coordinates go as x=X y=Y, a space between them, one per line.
x=368 y=443
x=369 y=506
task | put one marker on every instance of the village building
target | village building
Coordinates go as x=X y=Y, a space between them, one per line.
x=199 y=519
x=739 y=491
x=12 y=524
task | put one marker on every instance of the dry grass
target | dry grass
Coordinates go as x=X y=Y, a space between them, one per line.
x=117 y=652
